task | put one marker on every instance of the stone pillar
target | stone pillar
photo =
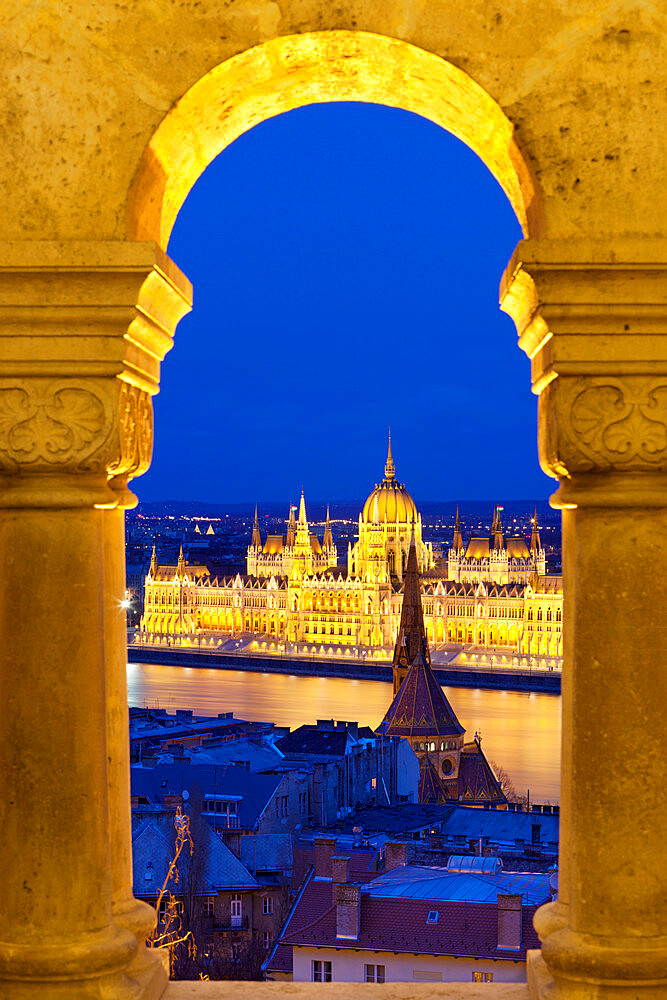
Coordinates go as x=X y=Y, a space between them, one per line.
x=593 y=320
x=83 y=328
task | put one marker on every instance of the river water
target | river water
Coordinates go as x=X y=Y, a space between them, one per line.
x=520 y=731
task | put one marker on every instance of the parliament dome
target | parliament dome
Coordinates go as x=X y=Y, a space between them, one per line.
x=393 y=499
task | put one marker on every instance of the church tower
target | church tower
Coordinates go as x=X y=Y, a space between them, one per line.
x=420 y=711
x=450 y=770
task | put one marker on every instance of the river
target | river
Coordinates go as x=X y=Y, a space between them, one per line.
x=520 y=731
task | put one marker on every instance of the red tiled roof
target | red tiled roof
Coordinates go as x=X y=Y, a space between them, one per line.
x=463 y=929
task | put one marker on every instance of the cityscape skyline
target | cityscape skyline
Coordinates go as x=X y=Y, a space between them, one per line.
x=362 y=292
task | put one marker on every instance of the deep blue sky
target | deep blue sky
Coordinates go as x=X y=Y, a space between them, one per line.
x=345 y=261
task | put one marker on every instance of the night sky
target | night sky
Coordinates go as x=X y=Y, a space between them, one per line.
x=345 y=261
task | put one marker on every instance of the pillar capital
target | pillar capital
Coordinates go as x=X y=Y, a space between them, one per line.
x=592 y=318
x=83 y=329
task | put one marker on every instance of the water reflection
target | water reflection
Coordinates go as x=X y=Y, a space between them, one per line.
x=519 y=731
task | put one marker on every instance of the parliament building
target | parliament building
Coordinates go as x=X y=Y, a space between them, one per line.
x=490 y=593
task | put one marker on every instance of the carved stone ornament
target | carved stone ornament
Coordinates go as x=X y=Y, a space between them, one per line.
x=135 y=432
x=51 y=424
x=607 y=423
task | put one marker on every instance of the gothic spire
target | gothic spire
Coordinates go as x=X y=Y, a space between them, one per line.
x=256 y=540
x=497 y=529
x=180 y=569
x=302 y=510
x=389 y=470
x=327 y=541
x=411 y=638
x=535 y=542
x=457 y=540
x=153 y=568
x=291 y=528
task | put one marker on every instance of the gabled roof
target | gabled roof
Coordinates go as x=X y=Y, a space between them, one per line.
x=477 y=548
x=273 y=544
x=517 y=548
x=153 y=847
x=398 y=922
x=420 y=708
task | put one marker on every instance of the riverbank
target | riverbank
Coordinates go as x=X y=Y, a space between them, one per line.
x=309 y=666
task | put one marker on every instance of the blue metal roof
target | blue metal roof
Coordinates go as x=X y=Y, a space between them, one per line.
x=439 y=884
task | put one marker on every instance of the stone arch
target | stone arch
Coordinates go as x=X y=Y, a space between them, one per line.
x=311 y=68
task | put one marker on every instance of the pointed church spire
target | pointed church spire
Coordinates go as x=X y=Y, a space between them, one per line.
x=153 y=568
x=327 y=541
x=457 y=540
x=256 y=540
x=497 y=529
x=535 y=542
x=180 y=569
x=411 y=638
x=389 y=470
x=291 y=528
x=302 y=509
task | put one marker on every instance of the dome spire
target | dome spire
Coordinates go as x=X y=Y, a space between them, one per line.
x=389 y=471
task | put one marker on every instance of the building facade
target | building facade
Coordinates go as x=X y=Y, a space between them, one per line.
x=491 y=593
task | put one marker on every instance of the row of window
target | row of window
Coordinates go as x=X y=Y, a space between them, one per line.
x=321 y=972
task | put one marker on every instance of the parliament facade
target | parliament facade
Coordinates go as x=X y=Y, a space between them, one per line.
x=491 y=592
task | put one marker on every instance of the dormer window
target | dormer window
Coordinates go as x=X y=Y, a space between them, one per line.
x=432 y=917
x=148 y=874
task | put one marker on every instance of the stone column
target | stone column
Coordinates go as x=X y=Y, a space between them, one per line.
x=593 y=320
x=83 y=328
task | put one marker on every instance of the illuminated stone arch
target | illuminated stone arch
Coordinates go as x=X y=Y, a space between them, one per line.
x=311 y=68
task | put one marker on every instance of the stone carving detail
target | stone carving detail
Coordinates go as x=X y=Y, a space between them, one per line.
x=615 y=423
x=47 y=424
x=135 y=432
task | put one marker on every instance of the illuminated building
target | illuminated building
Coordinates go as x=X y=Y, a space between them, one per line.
x=492 y=593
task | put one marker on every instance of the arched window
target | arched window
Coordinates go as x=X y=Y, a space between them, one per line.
x=548 y=614
x=539 y=614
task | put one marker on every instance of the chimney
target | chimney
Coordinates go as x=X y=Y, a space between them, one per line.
x=339 y=870
x=325 y=724
x=172 y=801
x=325 y=848
x=509 y=921
x=348 y=911
x=395 y=856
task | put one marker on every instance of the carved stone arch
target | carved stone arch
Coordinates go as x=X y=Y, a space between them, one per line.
x=320 y=67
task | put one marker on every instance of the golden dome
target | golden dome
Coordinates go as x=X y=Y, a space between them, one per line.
x=391 y=498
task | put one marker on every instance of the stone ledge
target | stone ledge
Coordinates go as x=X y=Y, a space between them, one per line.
x=343 y=991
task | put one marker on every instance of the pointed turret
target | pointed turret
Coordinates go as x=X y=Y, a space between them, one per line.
x=497 y=529
x=535 y=542
x=180 y=568
x=291 y=528
x=153 y=566
x=457 y=540
x=389 y=470
x=302 y=509
x=327 y=541
x=256 y=540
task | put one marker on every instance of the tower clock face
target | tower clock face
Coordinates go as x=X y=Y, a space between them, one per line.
x=447 y=765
